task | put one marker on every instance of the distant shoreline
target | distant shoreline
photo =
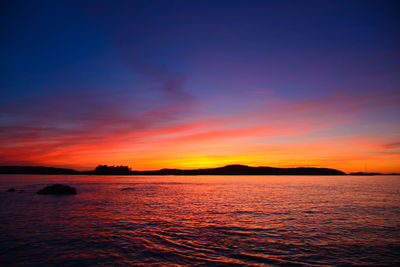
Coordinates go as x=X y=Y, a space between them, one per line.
x=226 y=170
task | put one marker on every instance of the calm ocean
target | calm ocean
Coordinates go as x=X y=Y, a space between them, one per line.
x=201 y=220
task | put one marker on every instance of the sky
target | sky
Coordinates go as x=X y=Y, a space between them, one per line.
x=190 y=84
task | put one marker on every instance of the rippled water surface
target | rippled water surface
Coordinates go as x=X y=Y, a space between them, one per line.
x=201 y=220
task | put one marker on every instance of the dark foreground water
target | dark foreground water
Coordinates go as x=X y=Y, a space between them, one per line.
x=201 y=220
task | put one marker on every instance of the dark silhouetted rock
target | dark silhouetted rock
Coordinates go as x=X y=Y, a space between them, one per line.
x=11 y=190
x=57 y=189
x=128 y=188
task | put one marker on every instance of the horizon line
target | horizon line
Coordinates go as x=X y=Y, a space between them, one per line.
x=201 y=168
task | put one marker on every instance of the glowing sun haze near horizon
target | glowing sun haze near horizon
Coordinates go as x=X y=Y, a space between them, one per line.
x=189 y=84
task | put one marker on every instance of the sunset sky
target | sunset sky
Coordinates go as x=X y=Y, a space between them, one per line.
x=188 y=84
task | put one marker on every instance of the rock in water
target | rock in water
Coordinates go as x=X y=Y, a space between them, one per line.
x=57 y=189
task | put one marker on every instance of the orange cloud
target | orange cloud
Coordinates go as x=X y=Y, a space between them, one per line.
x=297 y=134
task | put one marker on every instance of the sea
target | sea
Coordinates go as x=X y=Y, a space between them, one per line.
x=201 y=221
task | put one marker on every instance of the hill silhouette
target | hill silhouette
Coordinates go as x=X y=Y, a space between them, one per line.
x=245 y=170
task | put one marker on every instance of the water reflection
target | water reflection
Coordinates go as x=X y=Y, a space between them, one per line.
x=201 y=220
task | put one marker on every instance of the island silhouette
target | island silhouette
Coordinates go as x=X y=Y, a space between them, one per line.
x=235 y=169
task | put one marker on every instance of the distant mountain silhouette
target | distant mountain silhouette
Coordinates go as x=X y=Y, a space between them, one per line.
x=244 y=170
x=227 y=170
x=35 y=170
